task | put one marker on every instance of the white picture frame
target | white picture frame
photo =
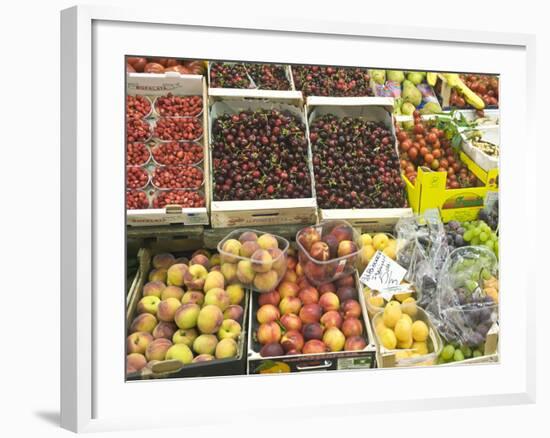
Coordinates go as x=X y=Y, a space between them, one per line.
x=94 y=396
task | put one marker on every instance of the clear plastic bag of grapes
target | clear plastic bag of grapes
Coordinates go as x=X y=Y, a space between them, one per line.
x=422 y=250
x=464 y=313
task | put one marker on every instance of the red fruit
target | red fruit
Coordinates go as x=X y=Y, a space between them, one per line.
x=314 y=346
x=352 y=327
x=272 y=349
x=291 y=321
x=355 y=343
x=320 y=251
x=351 y=309
x=309 y=295
x=292 y=340
x=310 y=313
x=312 y=331
x=332 y=319
x=327 y=287
x=272 y=297
x=413 y=153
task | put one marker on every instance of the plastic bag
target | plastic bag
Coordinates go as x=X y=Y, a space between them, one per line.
x=422 y=250
x=463 y=311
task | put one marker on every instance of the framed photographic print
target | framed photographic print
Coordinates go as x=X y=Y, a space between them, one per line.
x=261 y=204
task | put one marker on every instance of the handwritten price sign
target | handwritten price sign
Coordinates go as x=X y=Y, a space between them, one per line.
x=383 y=274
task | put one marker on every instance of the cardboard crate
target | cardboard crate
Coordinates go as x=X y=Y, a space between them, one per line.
x=342 y=360
x=174 y=368
x=225 y=214
x=288 y=74
x=377 y=109
x=484 y=161
x=154 y=85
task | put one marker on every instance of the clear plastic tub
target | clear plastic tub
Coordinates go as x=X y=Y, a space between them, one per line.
x=142 y=147
x=130 y=181
x=158 y=113
x=325 y=271
x=158 y=169
x=259 y=265
x=406 y=357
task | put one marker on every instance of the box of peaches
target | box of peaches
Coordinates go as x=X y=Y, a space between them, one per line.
x=302 y=327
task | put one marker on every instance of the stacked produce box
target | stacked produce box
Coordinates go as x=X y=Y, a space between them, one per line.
x=387 y=201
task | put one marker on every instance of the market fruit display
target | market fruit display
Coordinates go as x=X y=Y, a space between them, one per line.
x=320 y=80
x=308 y=320
x=136 y=64
x=170 y=325
x=425 y=145
x=269 y=76
x=476 y=233
x=178 y=106
x=256 y=260
x=138 y=107
x=355 y=164
x=260 y=154
x=372 y=242
x=229 y=75
x=328 y=252
x=485 y=86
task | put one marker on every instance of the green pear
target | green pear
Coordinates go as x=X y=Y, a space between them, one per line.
x=407 y=108
x=411 y=93
x=395 y=75
x=379 y=76
x=431 y=108
x=416 y=77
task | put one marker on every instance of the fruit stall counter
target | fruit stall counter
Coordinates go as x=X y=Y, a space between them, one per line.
x=261 y=197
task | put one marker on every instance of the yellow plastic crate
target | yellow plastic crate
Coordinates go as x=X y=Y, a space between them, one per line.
x=463 y=204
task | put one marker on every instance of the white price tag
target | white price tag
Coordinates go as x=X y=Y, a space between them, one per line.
x=384 y=275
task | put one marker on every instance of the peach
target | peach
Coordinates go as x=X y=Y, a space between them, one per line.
x=309 y=295
x=203 y=358
x=291 y=321
x=153 y=288
x=215 y=260
x=327 y=287
x=315 y=272
x=172 y=292
x=167 y=309
x=217 y=297
x=185 y=336
x=180 y=352
x=273 y=297
x=137 y=342
x=135 y=362
x=350 y=309
x=216 y=268
x=267 y=241
x=307 y=237
x=248 y=248
x=229 y=329
x=210 y=319
x=311 y=313
x=320 y=251
x=290 y=305
x=200 y=259
x=261 y=261
x=226 y=349
x=267 y=313
x=157 y=349
x=314 y=346
x=292 y=340
x=235 y=292
x=186 y=316
x=346 y=247
x=245 y=273
x=292 y=352
x=355 y=343
x=291 y=263
x=299 y=270
x=272 y=349
x=269 y=332
x=183 y=260
x=287 y=289
x=201 y=251
x=164 y=330
x=148 y=304
x=193 y=296
x=332 y=244
x=346 y=280
x=334 y=339
x=290 y=276
x=229 y=271
x=312 y=330
x=342 y=232
x=347 y=293
x=205 y=344
x=195 y=277
x=164 y=260
x=231 y=249
x=329 y=301
x=234 y=311
x=143 y=323
x=266 y=281
x=214 y=280
x=279 y=261
x=352 y=327
x=248 y=236
x=332 y=319
x=176 y=274
x=158 y=275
